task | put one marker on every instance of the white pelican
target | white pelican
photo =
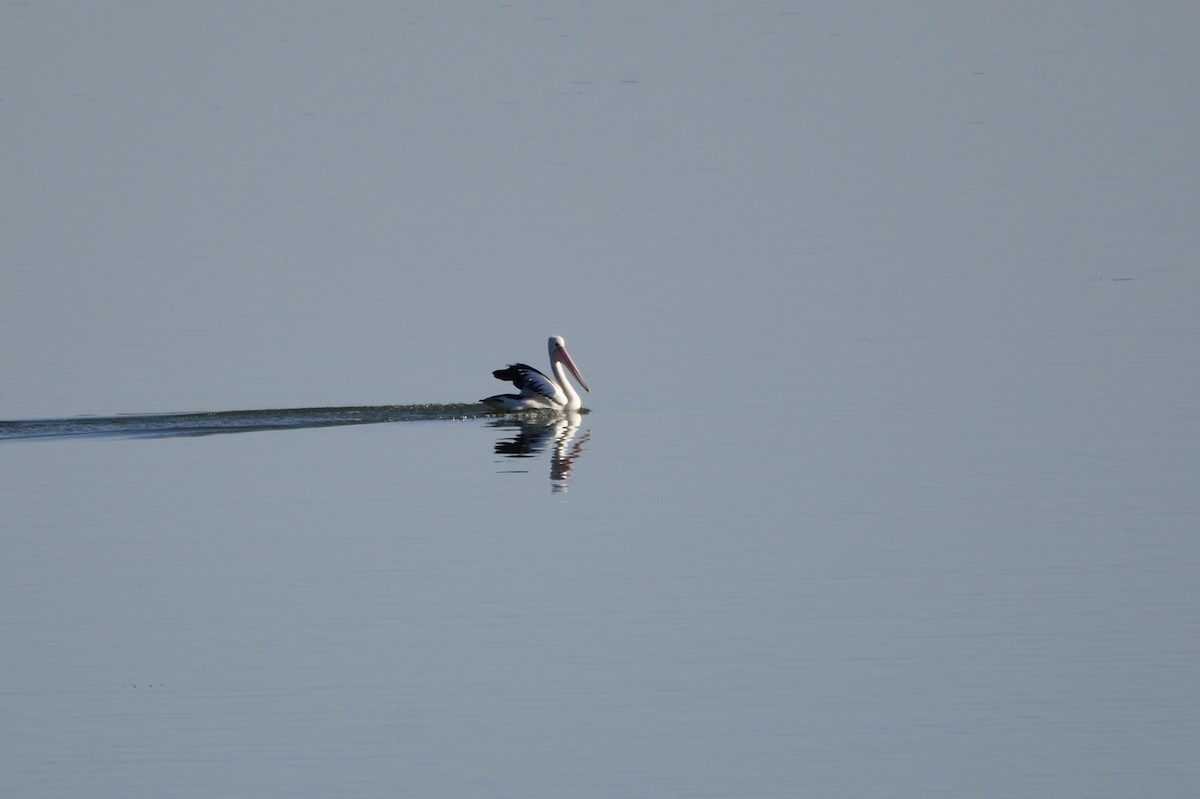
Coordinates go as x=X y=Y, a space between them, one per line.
x=538 y=392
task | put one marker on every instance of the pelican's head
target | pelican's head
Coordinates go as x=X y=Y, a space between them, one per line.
x=558 y=352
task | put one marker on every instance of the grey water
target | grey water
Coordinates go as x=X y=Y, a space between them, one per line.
x=212 y=422
x=888 y=485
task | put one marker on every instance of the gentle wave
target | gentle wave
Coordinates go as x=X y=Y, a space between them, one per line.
x=200 y=424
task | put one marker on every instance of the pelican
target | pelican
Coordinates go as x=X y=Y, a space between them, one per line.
x=538 y=392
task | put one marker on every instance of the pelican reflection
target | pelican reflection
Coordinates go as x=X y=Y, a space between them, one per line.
x=535 y=434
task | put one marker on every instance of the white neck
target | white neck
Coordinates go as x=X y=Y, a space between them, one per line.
x=574 y=403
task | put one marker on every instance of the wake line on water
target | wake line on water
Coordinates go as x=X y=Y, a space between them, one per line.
x=210 y=423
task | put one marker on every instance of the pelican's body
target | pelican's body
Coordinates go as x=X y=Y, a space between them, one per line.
x=539 y=392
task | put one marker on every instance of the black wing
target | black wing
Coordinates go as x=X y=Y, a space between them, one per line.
x=529 y=380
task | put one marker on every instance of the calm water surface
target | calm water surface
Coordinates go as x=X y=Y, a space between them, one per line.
x=889 y=483
x=719 y=600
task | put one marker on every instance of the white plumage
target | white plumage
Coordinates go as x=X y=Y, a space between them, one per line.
x=539 y=392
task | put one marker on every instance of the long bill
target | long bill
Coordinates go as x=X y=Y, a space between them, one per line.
x=570 y=364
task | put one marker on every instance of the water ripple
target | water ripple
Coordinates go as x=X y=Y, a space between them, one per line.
x=208 y=423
